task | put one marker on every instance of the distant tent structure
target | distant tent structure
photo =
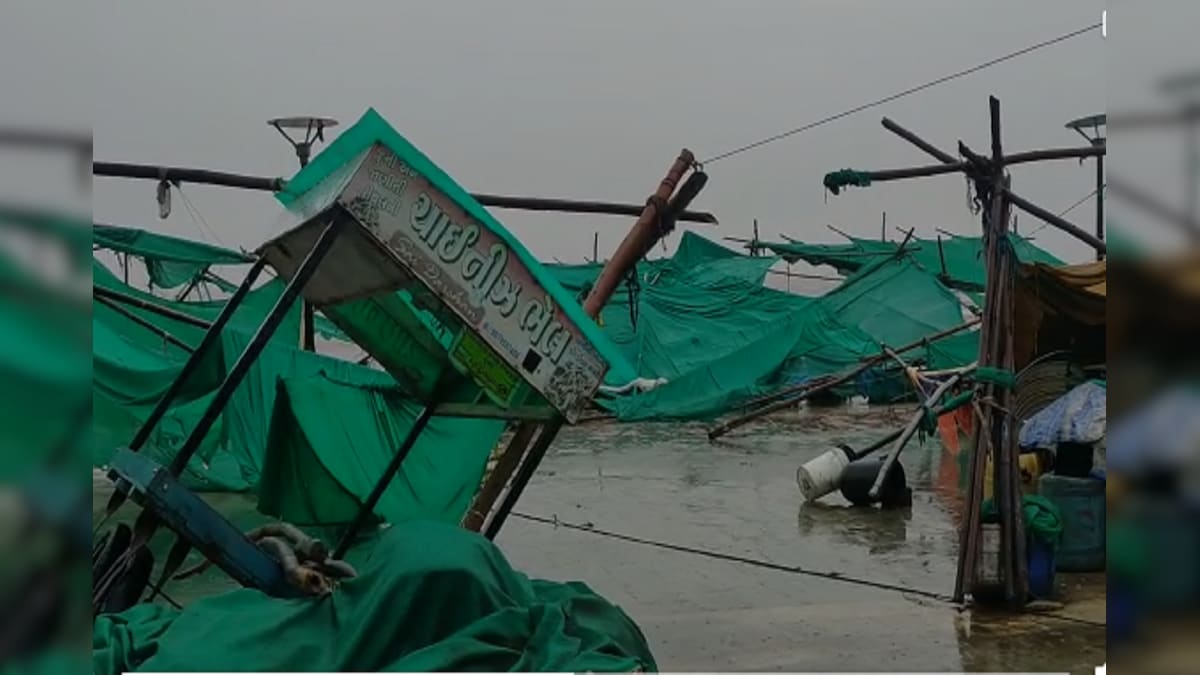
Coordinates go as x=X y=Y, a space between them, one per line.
x=703 y=320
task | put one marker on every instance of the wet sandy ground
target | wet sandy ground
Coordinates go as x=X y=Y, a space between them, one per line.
x=666 y=482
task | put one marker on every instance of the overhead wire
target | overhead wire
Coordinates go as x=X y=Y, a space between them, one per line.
x=1080 y=202
x=198 y=217
x=906 y=92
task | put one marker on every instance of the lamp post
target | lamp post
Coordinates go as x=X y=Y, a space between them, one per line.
x=1091 y=127
x=314 y=132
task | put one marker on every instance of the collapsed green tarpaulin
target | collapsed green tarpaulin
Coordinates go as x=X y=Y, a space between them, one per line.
x=171 y=262
x=429 y=598
x=336 y=420
x=962 y=256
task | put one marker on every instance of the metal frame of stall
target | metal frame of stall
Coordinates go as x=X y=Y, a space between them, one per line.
x=163 y=498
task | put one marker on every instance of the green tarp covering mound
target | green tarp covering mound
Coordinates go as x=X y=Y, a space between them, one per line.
x=330 y=442
x=429 y=597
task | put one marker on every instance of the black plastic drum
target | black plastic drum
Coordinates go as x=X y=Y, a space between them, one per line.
x=859 y=476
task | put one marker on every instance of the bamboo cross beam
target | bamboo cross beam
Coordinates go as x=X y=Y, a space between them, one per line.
x=1056 y=221
x=885 y=175
x=798 y=275
x=976 y=163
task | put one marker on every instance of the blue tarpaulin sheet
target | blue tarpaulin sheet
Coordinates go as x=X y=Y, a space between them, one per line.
x=1079 y=416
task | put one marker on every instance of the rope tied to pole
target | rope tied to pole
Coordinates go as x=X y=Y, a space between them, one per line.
x=1000 y=377
x=836 y=180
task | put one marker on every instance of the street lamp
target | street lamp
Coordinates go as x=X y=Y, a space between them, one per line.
x=1090 y=127
x=314 y=132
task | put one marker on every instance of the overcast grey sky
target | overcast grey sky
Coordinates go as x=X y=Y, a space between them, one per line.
x=593 y=100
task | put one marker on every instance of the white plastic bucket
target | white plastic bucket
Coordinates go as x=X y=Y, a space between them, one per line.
x=818 y=477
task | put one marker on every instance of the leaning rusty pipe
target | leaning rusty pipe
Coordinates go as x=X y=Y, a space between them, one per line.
x=640 y=239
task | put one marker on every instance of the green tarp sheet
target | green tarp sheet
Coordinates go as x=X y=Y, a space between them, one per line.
x=800 y=345
x=707 y=324
x=319 y=466
x=430 y=597
x=171 y=262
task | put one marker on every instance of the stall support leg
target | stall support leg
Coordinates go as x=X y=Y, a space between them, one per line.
x=482 y=505
x=198 y=355
x=368 y=506
x=193 y=362
x=236 y=374
x=528 y=467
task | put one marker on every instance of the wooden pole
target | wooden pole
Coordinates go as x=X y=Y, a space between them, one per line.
x=883 y=228
x=595 y=247
x=493 y=486
x=644 y=234
x=654 y=221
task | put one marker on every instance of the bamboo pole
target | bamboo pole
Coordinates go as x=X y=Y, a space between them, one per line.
x=1057 y=222
x=166 y=336
x=913 y=424
x=655 y=220
x=943 y=157
x=493 y=486
x=924 y=171
x=968 y=549
x=800 y=275
x=792 y=395
x=133 y=301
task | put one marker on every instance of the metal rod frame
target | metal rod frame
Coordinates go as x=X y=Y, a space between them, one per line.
x=259 y=342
